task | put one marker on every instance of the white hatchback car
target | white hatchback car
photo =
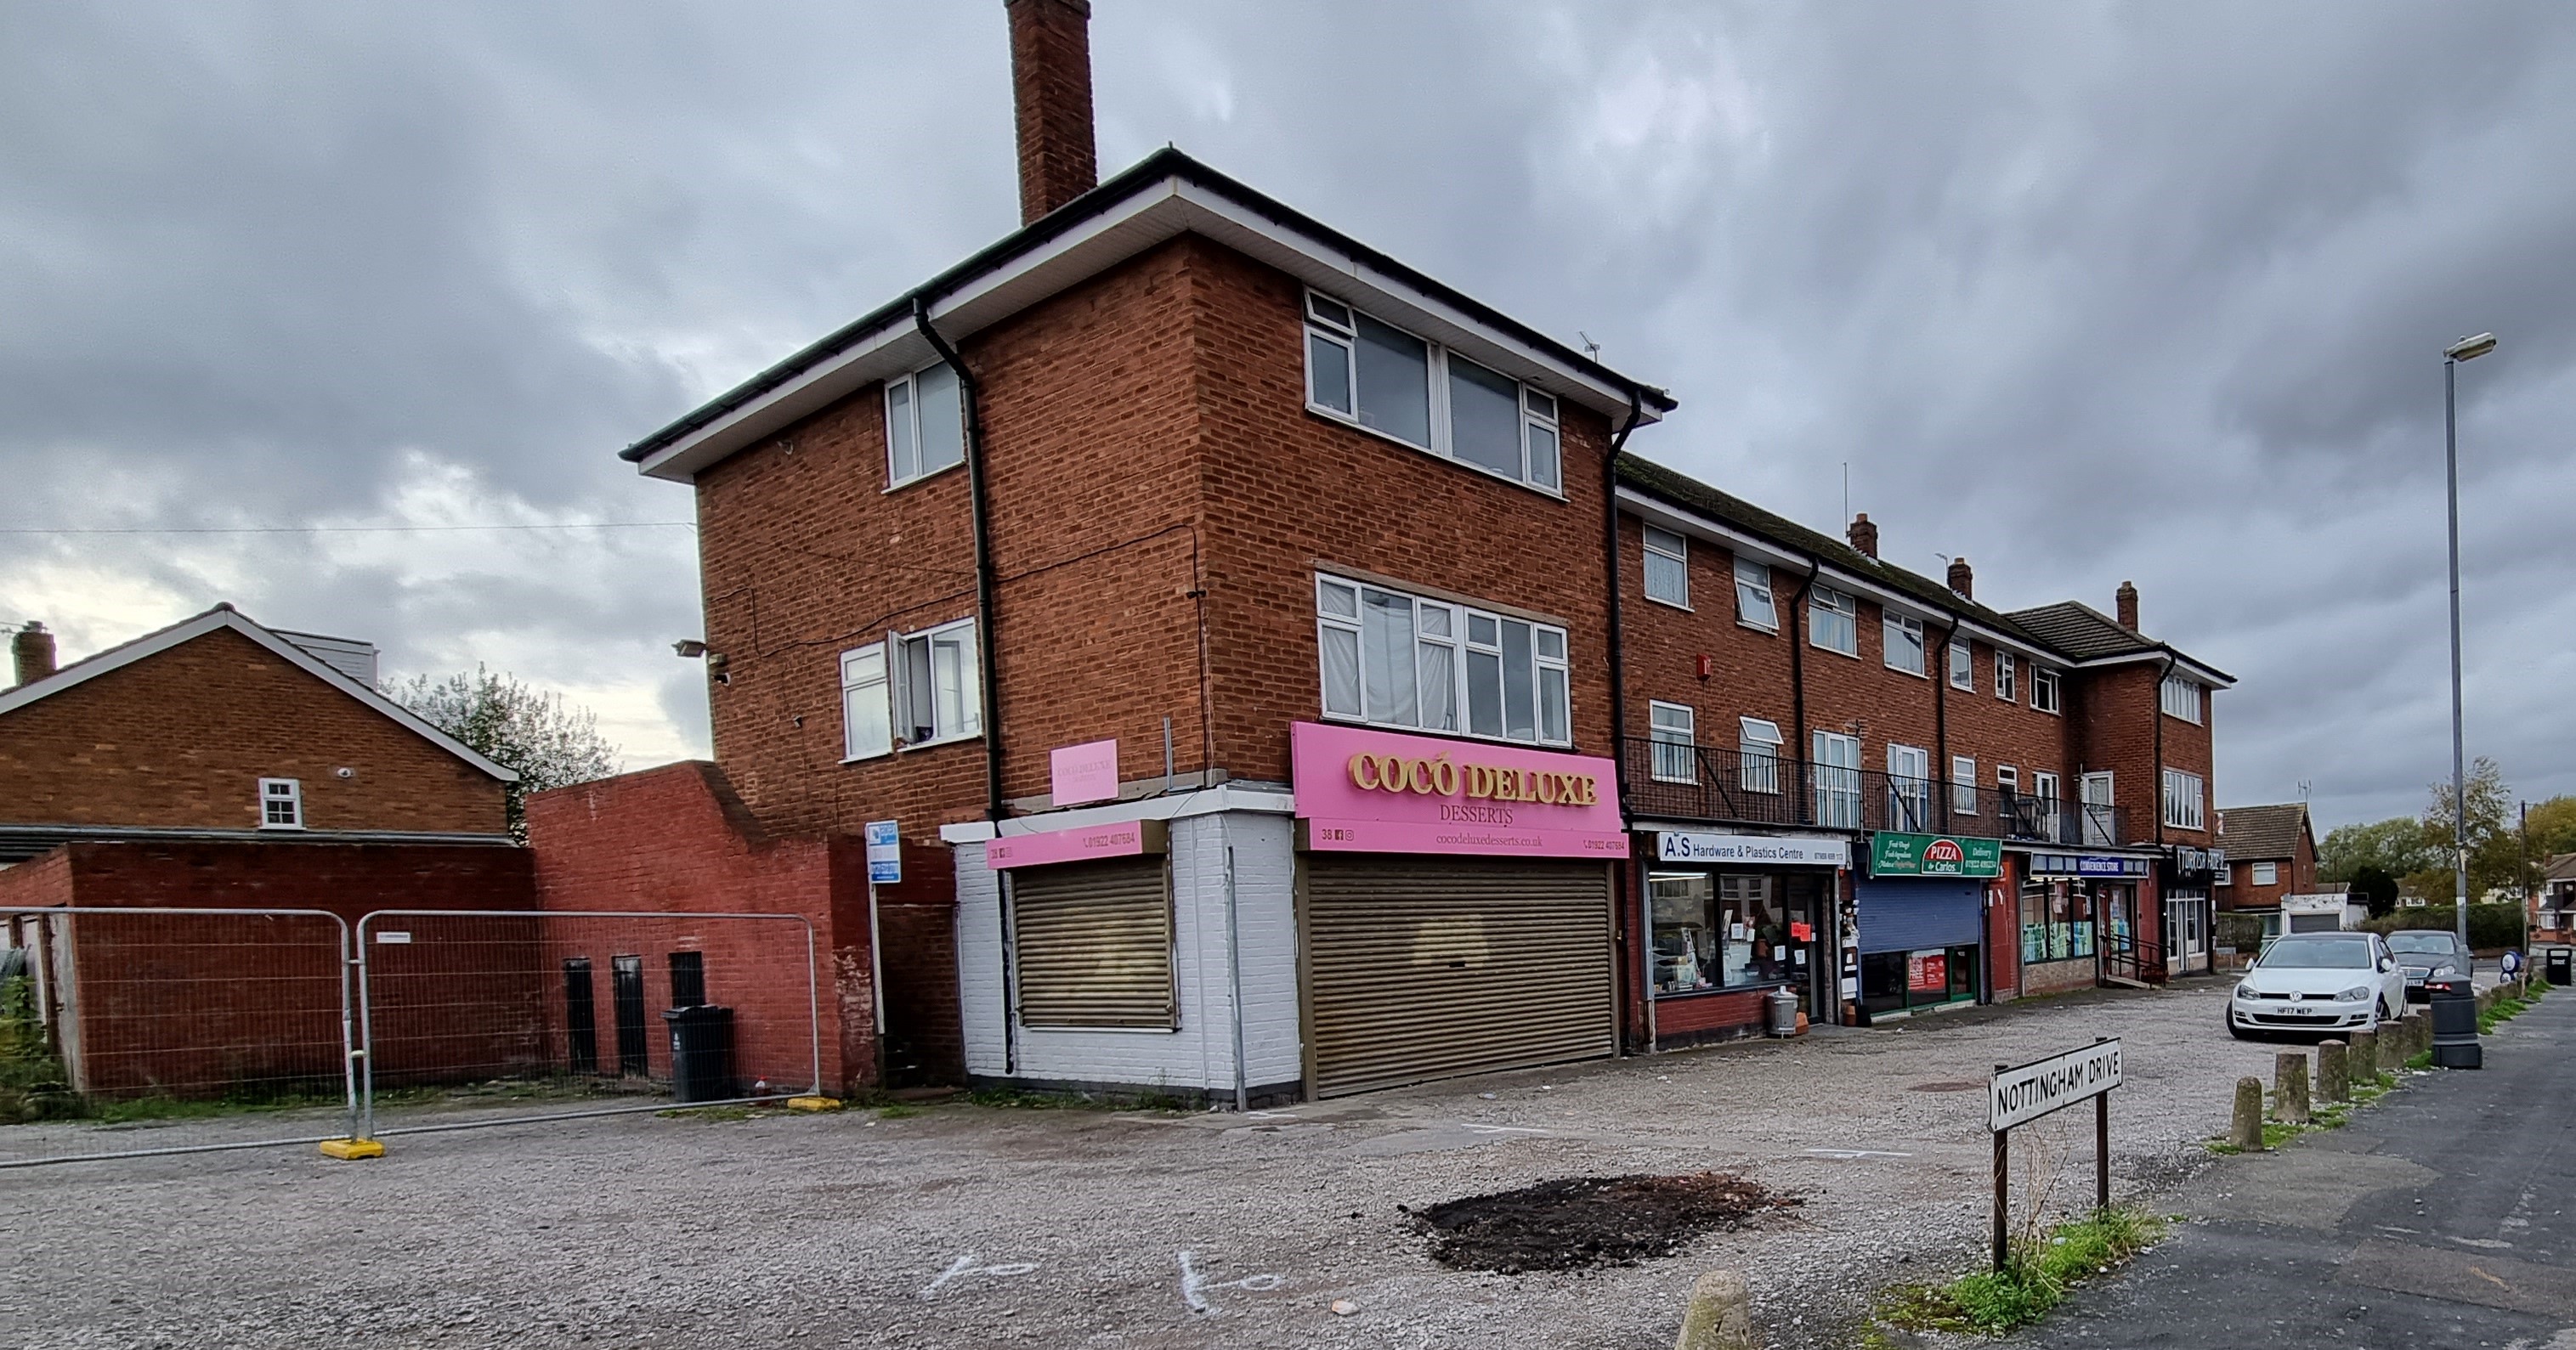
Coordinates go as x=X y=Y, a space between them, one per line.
x=2319 y=983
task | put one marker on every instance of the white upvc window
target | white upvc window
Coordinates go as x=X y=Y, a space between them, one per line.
x=867 y=712
x=1909 y=787
x=911 y=690
x=2183 y=800
x=1837 y=780
x=2043 y=786
x=1758 y=753
x=925 y=424
x=1833 y=620
x=281 y=804
x=2007 y=781
x=1903 y=642
x=1676 y=740
x=1963 y=666
x=1754 y=605
x=2043 y=689
x=2227 y=874
x=1378 y=377
x=2005 y=671
x=1963 y=785
x=1667 y=567
x=2267 y=874
x=1398 y=660
x=2180 y=696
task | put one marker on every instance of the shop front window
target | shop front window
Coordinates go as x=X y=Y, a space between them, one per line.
x=1897 y=981
x=2056 y=922
x=1731 y=930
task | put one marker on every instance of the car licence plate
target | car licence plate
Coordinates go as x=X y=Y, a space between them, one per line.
x=2418 y=972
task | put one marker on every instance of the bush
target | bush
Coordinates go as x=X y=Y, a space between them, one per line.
x=33 y=1085
x=2490 y=926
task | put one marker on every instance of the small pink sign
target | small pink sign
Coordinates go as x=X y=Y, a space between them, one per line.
x=1385 y=792
x=1122 y=839
x=1083 y=773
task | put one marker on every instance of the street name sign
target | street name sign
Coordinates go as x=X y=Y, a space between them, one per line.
x=2026 y=1093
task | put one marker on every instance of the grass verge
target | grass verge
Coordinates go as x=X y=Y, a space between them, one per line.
x=1993 y=1302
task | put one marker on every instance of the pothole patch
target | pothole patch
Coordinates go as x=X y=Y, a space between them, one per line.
x=1575 y=1222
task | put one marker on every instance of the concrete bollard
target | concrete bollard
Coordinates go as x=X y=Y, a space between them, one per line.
x=2398 y=1042
x=2290 y=1087
x=2364 y=1054
x=2334 y=1073
x=2245 y=1131
x=1720 y=1316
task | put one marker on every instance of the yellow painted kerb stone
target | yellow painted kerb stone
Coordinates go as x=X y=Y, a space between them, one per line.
x=813 y=1103
x=349 y=1149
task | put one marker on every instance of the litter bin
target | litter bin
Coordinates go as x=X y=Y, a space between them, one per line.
x=2455 y=1031
x=2559 y=963
x=701 y=1053
x=1784 y=1012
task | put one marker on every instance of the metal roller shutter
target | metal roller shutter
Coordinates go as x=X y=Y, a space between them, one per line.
x=1902 y=916
x=1092 y=944
x=1424 y=968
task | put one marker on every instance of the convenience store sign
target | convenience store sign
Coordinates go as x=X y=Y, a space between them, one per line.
x=1933 y=855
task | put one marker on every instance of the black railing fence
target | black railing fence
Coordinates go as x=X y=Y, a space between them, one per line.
x=1675 y=781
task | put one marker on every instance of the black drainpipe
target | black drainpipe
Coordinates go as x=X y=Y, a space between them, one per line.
x=1798 y=686
x=1943 y=780
x=979 y=510
x=1619 y=698
x=2157 y=797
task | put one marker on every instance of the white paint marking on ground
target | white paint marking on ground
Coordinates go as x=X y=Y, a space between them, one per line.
x=1195 y=1285
x=965 y=1265
x=1502 y=1129
x=1852 y=1154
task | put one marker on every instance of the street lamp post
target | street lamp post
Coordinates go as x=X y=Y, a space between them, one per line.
x=2466 y=349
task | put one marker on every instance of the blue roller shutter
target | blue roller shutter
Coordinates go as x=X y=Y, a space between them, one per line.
x=1904 y=916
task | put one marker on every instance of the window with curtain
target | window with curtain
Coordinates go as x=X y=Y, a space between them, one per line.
x=1833 y=620
x=1394 y=659
x=1676 y=743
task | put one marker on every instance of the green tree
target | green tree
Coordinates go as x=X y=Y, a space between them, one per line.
x=2494 y=842
x=549 y=743
x=2396 y=847
x=2552 y=827
x=2375 y=888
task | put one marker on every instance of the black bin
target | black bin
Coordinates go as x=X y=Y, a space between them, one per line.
x=701 y=1053
x=2455 y=1032
x=2559 y=965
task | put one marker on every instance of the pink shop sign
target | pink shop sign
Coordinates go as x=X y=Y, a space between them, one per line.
x=1083 y=843
x=1083 y=773
x=1363 y=791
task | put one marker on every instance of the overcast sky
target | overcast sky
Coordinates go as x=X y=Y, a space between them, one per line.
x=2083 y=292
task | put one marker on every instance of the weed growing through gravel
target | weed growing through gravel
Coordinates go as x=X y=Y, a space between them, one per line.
x=1018 y=1099
x=2039 y=1274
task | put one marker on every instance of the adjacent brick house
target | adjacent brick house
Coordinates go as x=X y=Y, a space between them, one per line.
x=2271 y=852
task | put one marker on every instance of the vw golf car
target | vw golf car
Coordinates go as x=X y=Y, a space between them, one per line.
x=2319 y=983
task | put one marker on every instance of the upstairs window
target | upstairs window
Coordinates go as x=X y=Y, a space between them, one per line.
x=1400 y=660
x=1758 y=748
x=2181 y=698
x=867 y=716
x=2183 y=800
x=1667 y=567
x=1378 y=376
x=1676 y=743
x=925 y=425
x=1833 y=621
x=1754 y=607
x=911 y=690
x=2267 y=874
x=2043 y=689
x=1963 y=785
x=1904 y=643
x=1963 y=670
x=281 y=804
x=2006 y=687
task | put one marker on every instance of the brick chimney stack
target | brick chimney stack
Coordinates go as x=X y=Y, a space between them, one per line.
x=1962 y=580
x=34 y=650
x=2127 y=600
x=1051 y=86
x=1864 y=536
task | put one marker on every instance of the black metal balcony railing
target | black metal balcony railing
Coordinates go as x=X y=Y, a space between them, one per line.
x=1673 y=781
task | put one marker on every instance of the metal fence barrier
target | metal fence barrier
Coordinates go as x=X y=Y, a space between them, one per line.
x=130 y=1032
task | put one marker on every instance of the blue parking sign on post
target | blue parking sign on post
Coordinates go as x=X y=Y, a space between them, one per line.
x=885 y=853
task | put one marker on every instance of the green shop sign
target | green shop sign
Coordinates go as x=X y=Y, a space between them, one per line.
x=1934 y=855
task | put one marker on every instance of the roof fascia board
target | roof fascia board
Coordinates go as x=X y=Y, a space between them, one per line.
x=2181 y=662
x=1651 y=506
x=118 y=658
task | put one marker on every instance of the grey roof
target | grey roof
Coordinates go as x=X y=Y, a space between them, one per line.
x=2561 y=867
x=2083 y=632
x=2264 y=833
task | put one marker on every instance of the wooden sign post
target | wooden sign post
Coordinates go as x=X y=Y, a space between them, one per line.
x=2019 y=1095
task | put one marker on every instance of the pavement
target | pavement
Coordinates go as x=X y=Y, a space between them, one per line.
x=2444 y=1216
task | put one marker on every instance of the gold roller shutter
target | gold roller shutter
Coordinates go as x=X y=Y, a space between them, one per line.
x=1092 y=944
x=1423 y=968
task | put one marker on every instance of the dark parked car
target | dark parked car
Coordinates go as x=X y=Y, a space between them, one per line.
x=2433 y=960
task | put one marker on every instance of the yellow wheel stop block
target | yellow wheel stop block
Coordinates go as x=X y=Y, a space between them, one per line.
x=350 y=1149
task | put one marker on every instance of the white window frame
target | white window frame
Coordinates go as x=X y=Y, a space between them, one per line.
x=2266 y=873
x=1675 y=733
x=2007 y=780
x=1748 y=588
x=1963 y=665
x=1551 y=676
x=1963 y=785
x=1542 y=469
x=292 y=798
x=1674 y=549
x=910 y=387
x=1903 y=632
x=1757 y=748
x=2042 y=678
x=2185 y=810
x=2227 y=874
x=1842 y=605
x=2045 y=790
x=2007 y=672
x=855 y=684
x=1838 y=785
x=970 y=691
x=2179 y=696
x=1910 y=785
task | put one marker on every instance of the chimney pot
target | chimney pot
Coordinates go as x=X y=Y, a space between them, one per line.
x=1051 y=89
x=33 y=649
x=1864 y=536
x=1962 y=580
x=2127 y=601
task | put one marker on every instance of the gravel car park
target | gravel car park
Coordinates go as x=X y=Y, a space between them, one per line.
x=971 y=1225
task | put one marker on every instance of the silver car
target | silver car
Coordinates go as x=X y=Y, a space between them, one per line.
x=2319 y=983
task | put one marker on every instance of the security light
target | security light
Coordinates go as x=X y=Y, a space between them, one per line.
x=689 y=649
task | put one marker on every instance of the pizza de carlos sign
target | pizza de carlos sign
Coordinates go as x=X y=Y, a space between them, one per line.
x=1933 y=855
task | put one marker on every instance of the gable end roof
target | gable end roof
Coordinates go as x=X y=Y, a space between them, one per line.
x=2264 y=833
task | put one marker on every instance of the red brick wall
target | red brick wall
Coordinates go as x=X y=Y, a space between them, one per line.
x=675 y=840
x=2003 y=931
x=183 y=738
x=2119 y=720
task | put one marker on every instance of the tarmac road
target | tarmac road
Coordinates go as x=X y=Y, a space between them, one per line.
x=2445 y=1216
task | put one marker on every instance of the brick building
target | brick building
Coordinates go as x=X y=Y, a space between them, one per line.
x=2271 y=853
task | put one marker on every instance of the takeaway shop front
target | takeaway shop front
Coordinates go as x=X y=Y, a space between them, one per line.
x=1732 y=917
x=1454 y=906
x=1921 y=923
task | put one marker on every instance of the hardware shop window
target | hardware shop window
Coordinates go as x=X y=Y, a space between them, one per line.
x=1730 y=930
